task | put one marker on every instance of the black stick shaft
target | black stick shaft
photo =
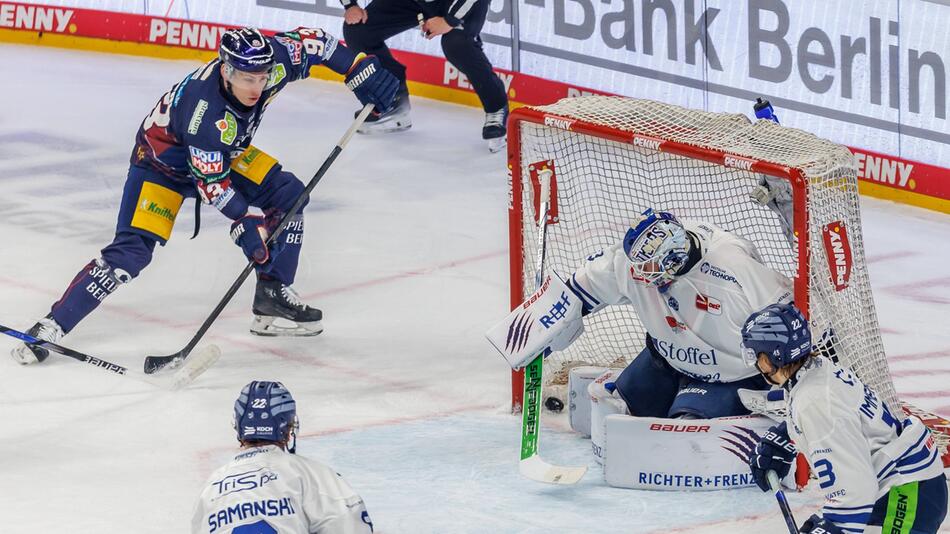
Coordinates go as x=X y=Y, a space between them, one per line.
x=59 y=349
x=154 y=363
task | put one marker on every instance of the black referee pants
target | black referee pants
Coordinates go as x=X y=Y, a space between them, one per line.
x=462 y=47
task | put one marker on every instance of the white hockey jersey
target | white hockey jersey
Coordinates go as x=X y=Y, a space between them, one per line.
x=290 y=493
x=696 y=323
x=852 y=444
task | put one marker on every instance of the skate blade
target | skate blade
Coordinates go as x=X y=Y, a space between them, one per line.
x=497 y=145
x=396 y=124
x=266 y=327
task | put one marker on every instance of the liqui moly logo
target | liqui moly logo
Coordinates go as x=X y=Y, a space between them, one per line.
x=555 y=122
x=838 y=251
x=647 y=142
x=739 y=163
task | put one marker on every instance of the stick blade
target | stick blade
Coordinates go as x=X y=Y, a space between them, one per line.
x=157 y=363
x=197 y=363
x=536 y=469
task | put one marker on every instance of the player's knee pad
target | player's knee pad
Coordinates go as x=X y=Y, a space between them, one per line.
x=128 y=255
x=603 y=402
x=648 y=385
x=285 y=188
x=708 y=400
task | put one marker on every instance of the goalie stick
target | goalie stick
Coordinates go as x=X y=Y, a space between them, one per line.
x=175 y=360
x=531 y=464
x=200 y=363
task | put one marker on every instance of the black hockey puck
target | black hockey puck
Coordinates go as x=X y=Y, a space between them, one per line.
x=554 y=404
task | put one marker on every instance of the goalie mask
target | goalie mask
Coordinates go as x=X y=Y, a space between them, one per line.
x=780 y=331
x=265 y=411
x=657 y=247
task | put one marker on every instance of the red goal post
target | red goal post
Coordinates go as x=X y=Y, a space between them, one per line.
x=612 y=157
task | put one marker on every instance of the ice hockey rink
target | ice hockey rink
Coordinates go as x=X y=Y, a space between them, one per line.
x=406 y=254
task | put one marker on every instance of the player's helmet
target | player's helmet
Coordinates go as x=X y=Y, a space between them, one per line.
x=657 y=247
x=778 y=330
x=265 y=411
x=246 y=49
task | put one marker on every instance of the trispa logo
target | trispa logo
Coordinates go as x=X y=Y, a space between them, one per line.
x=838 y=251
x=161 y=211
x=228 y=128
x=244 y=481
x=206 y=162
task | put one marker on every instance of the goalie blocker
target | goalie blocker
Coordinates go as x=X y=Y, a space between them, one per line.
x=548 y=321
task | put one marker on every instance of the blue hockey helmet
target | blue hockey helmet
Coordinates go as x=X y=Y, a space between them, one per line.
x=657 y=247
x=778 y=330
x=265 y=411
x=247 y=50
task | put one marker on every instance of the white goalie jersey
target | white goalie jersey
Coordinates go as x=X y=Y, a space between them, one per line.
x=268 y=487
x=696 y=322
x=856 y=447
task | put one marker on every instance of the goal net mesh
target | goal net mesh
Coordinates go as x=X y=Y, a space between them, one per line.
x=602 y=185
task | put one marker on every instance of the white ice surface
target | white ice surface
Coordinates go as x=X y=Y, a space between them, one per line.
x=406 y=253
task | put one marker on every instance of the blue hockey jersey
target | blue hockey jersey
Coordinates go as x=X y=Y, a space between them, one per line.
x=196 y=129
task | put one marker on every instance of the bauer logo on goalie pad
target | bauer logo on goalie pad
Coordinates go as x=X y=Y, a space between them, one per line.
x=695 y=455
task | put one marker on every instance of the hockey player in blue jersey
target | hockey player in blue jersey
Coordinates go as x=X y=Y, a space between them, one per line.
x=878 y=473
x=196 y=142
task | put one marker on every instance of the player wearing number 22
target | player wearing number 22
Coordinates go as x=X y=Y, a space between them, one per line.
x=878 y=473
x=267 y=488
x=197 y=142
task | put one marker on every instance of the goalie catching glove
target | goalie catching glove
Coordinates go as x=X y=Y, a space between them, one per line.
x=548 y=321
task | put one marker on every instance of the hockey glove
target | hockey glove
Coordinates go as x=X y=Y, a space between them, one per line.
x=818 y=525
x=371 y=83
x=250 y=233
x=775 y=452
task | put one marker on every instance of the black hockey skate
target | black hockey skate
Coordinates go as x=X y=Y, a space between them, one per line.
x=47 y=330
x=394 y=120
x=495 y=129
x=275 y=303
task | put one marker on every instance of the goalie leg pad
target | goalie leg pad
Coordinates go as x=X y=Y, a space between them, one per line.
x=578 y=379
x=649 y=385
x=603 y=402
x=708 y=400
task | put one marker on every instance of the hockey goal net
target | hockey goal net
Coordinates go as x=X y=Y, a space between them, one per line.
x=612 y=157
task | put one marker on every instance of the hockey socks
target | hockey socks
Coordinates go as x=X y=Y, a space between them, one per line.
x=96 y=281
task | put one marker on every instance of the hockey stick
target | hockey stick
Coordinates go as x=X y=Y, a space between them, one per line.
x=173 y=361
x=531 y=464
x=782 y=501
x=204 y=359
